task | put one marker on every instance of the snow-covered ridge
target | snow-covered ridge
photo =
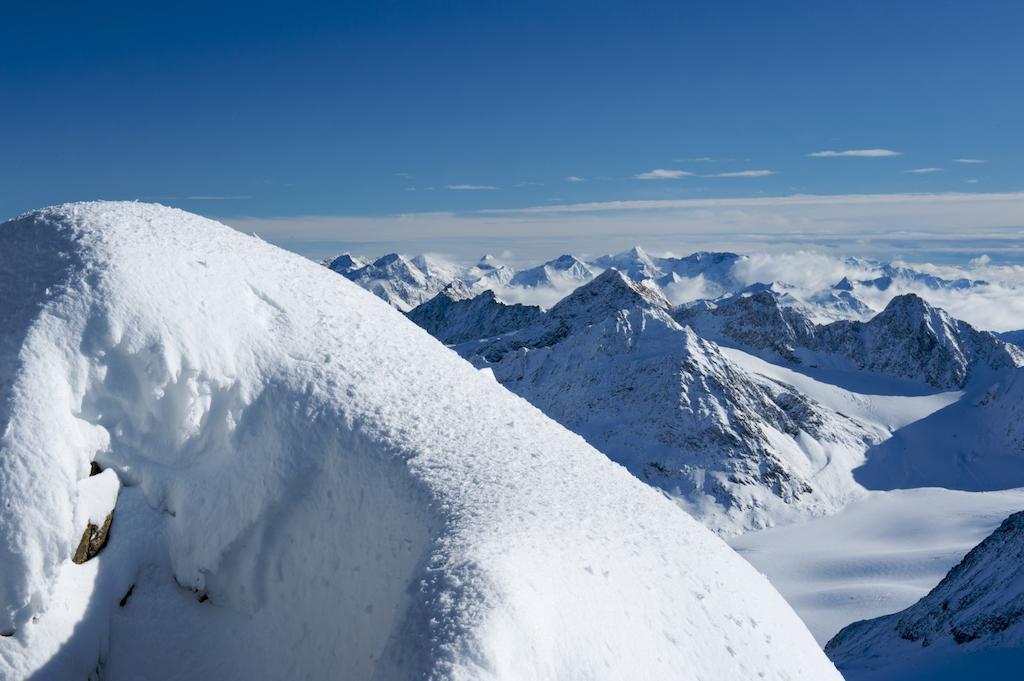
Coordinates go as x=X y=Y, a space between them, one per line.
x=610 y=363
x=979 y=605
x=338 y=489
x=455 y=315
x=909 y=339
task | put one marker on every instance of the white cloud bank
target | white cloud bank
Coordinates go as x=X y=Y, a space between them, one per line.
x=923 y=171
x=471 y=187
x=857 y=153
x=940 y=227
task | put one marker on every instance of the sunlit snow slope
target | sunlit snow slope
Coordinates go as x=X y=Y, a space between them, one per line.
x=311 y=486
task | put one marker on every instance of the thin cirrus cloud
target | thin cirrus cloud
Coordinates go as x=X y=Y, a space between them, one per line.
x=574 y=178
x=471 y=187
x=970 y=160
x=217 y=198
x=745 y=173
x=923 y=171
x=855 y=153
x=662 y=174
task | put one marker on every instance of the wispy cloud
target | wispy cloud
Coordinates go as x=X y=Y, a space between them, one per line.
x=858 y=153
x=880 y=225
x=471 y=187
x=744 y=173
x=923 y=171
x=972 y=181
x=574 y=178
x=701 y=159
x=970 y=160
x=765 y=201
x=217 y=198
x=662 y=174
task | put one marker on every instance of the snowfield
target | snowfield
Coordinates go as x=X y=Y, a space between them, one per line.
x=309 y=485
x=878 y=555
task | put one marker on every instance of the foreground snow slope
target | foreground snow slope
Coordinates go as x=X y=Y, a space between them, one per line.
x=311 y=484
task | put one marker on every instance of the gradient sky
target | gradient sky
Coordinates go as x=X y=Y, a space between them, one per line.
x=269 y=113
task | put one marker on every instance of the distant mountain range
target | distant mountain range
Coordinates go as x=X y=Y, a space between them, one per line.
x=648 y=382
x=406 y=282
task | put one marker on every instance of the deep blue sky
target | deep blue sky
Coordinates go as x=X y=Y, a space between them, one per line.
x=343 y=108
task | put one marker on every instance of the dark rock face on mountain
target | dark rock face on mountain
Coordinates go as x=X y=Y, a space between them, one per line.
x=978 y=605
x=345 y=264
x=910 y=339
x=1012 y=337
x=455 y=315
x=913 y=340
x=755 y=321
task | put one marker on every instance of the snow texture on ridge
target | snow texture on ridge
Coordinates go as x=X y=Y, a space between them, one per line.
x=341 y=491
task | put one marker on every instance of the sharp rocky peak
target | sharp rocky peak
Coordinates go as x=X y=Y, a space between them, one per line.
x=609 y=292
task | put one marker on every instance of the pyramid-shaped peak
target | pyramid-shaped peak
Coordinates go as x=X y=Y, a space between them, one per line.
x=612 y=290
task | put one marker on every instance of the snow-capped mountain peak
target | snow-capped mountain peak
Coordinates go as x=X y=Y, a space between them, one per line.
x=346 y=263
x=565 y=269
x=609 y=292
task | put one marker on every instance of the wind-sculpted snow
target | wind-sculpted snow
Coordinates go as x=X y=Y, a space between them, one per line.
x=740 y=452
x=311 y=486
x=978 y=606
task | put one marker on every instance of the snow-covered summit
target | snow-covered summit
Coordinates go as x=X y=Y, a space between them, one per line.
x=345 y=264
x=403 y=282
x=563 y=270
x=312 y=484
x=910 y=339
x=610 y=292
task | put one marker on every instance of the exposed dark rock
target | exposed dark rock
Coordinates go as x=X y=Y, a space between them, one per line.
x=93 y=540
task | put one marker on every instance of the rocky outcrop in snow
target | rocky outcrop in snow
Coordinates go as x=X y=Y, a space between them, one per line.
x=312 y=484
x=979 y=605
